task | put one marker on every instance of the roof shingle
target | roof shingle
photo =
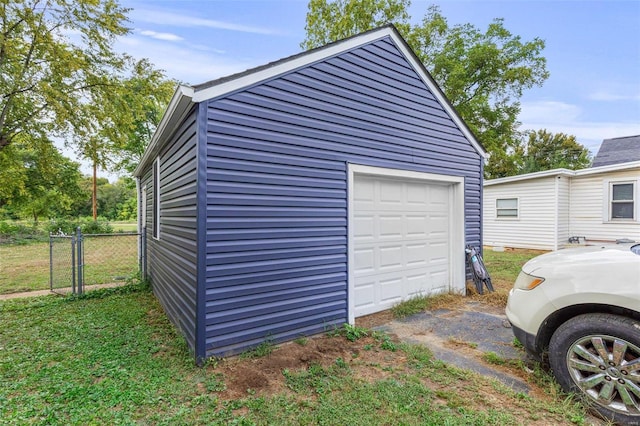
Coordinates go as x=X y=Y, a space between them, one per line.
x=618 y=150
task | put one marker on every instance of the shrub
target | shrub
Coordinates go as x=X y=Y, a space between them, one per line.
x=87 y=225
x=11 y=232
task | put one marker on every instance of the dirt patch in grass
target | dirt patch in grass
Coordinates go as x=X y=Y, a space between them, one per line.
x=367 y=361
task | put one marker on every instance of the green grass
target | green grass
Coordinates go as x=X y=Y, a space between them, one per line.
x=506 y=265
x=411 y=306
x=25 y=267
x=112 y=357
x=124 y=226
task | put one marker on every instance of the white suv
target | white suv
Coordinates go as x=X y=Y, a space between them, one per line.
x=581 y=307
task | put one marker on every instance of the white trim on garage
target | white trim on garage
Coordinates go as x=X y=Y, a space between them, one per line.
x=456 y=223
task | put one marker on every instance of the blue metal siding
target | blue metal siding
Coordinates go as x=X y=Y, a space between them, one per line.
x=276 y=264
x=172 y=258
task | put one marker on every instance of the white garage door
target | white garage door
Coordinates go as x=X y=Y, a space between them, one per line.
x=400 y=240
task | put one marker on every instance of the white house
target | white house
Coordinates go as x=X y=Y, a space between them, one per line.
x=544 y=210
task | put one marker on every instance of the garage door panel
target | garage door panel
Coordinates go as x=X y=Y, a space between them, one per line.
x=364 y=259
x=400 y=241
x=364 y=192
x=390 y=291
x=364 y=228
x=390 y=226
x=416 y=284
x=417 y=194
x=417 y=225
x=391 y=195
x=417 y=254
x=390 y=257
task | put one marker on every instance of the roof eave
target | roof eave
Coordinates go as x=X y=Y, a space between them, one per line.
x=178 y=107
x=565 y=172
x=528 y=176
x=608 y=168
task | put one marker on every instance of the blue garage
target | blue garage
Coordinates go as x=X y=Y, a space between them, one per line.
x=290 y=198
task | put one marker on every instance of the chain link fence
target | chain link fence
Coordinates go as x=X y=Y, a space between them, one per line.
x=82 y=260
x=62 y=264
x=109 y=258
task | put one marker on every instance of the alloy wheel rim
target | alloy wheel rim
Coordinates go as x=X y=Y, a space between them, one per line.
x=607 y=370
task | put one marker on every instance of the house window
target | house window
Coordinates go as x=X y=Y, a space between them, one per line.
x=156 y=199
x=622 y=200
x=143 y=208
x=507 y=208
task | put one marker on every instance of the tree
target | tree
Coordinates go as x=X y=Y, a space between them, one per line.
x=141 y=100
x=49 y=184
x=543 y=150
x=119 y=122
x=483 y=74
x=53 y=55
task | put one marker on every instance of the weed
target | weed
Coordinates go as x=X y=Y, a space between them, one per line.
x=516 y=343
x=215 y=383
x=412 y=306
x=341 y=363
x=353 y=333
x=493 y=358
x=388 y=344
x=263 y=349
x=302 y=341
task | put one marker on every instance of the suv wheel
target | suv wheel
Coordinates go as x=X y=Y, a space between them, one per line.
x=598 y=357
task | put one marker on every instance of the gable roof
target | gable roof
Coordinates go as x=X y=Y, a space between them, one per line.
x=618 y=150
x=565 y=172
x=186 y=96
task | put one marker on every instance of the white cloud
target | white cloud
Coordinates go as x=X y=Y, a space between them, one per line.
x=181 y=62
x=178 y=20
x=560 y=117
x=606 y=96
x=161 y=36
x=549 y=112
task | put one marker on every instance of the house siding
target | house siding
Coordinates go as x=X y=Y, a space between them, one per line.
x=172 y=257
x=588 y=198
x=564 y=208
x=534 y=227
x=277 y=156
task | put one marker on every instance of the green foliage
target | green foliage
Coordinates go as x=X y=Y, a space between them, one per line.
x=349 y=332
x=53 y=55
x=86 y=224
x=143 y=97
x=118 y=351
x=263 y=349
x=411 y=306
x=329 y=21
x=16 y=233
x=43 y=182
x=302 y=341
x=60 y=76
x=483 y=73
x=493 y=358
x=543 y=150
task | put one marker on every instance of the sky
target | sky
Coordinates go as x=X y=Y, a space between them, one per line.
x=592 y=50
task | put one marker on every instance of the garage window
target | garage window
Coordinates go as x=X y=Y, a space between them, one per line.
x=156 y=199
x=507 y=208
x=622 y=200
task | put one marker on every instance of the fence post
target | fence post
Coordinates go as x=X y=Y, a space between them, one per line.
x=143 y=256
x=80 y=248
x=50 y=262
x=73 y=264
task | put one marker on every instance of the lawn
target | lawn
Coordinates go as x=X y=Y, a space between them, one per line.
x=25 y=267
x=111 y=356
